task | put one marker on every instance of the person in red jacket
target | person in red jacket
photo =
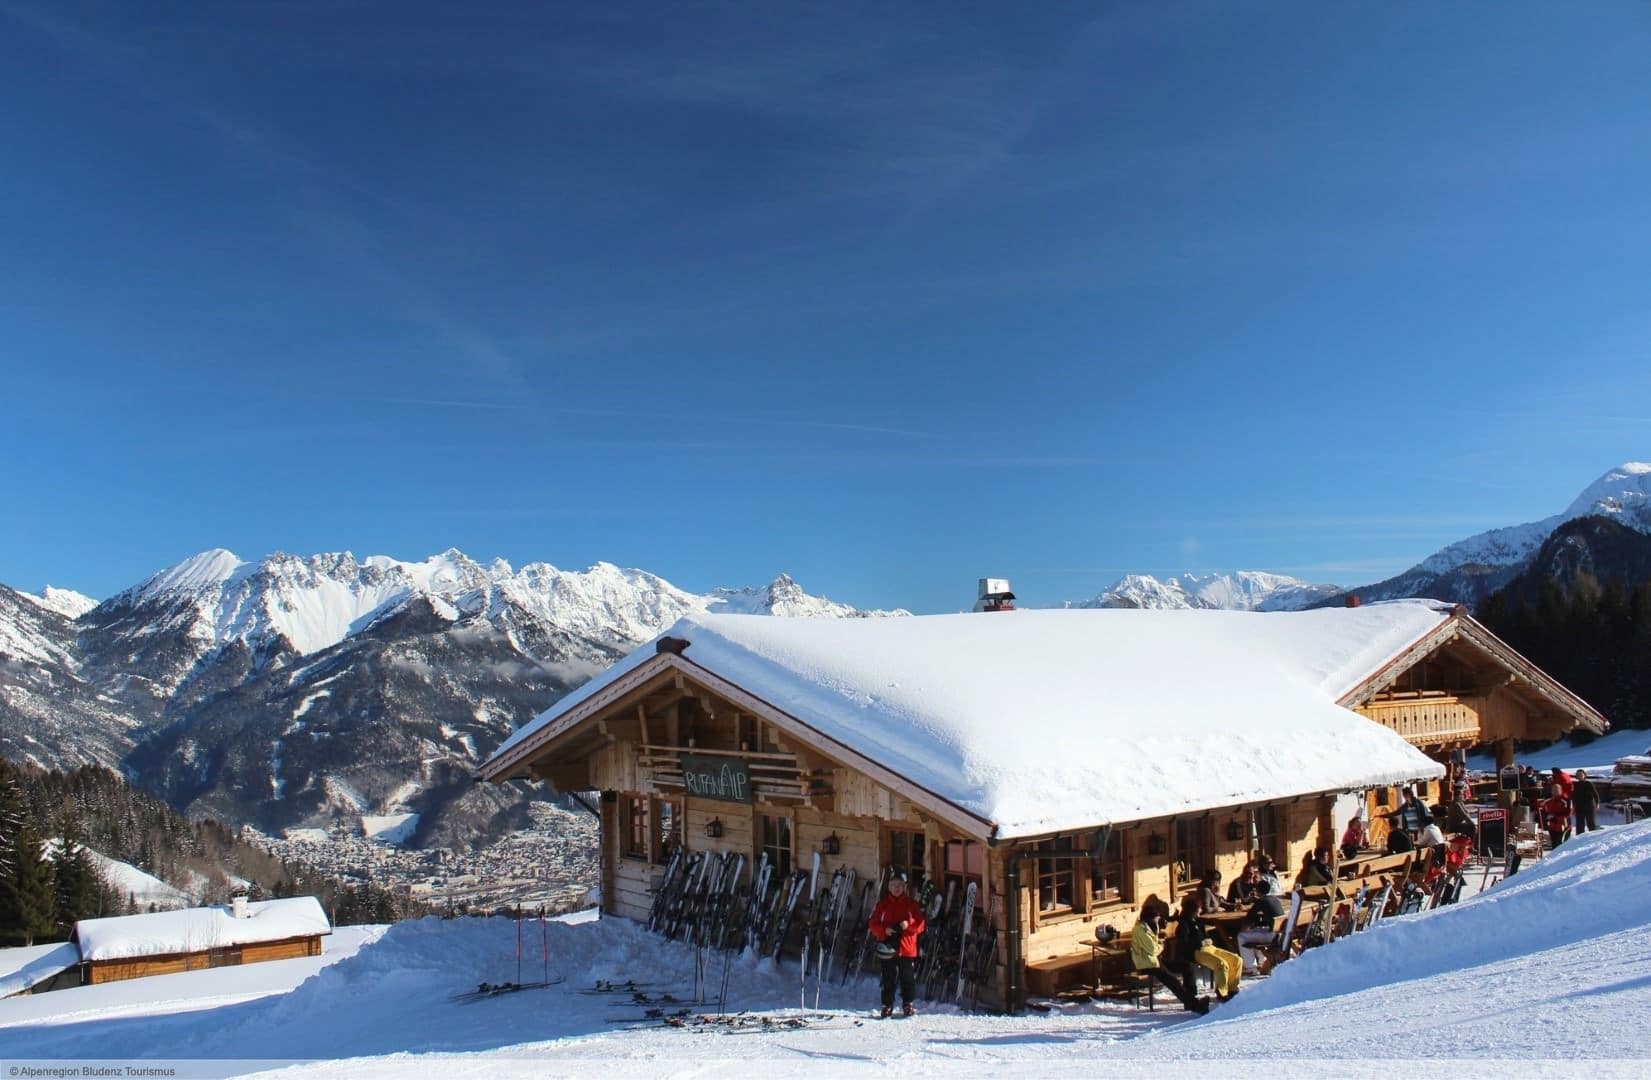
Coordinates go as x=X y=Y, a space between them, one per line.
x=895 y=923
x=1556 y=817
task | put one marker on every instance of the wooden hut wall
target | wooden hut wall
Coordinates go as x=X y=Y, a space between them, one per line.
x=1300 y=824
x=280 y=950
x=103 y=971
x=630 y=881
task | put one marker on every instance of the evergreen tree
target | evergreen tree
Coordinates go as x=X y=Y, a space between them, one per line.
x=75 y=879
x=28 y=908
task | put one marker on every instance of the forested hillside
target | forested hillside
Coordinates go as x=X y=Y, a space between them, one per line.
x=48 y=880
x=1596 y=639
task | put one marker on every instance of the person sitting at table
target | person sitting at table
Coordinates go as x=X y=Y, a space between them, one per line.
x=1209 y=894
x=1432 y=836
x=1146 y=949
x=1258 y=929
x=1269 y=874
x=1246 y=887
x=1398 y=840
x=1195 y=946
x=1315 y=869
x=1413 y=812
x=1354 y=837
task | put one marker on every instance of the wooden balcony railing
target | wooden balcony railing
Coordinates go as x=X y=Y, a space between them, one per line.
x=1427 y=720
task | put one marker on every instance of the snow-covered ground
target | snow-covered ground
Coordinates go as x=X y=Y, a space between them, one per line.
x=153 y=999
x=143 y=890
x=1548 y=973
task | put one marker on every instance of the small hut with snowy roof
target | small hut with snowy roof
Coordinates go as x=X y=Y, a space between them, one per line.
x=191 y=939
x=988 y=749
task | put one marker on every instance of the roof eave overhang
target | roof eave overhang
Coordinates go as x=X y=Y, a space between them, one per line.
x=515 y=762
x=1240 y=803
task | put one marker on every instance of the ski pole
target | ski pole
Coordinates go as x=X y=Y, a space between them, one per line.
x=544 y=942
x=518 y=946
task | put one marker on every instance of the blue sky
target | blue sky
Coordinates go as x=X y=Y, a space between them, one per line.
x=889 y=297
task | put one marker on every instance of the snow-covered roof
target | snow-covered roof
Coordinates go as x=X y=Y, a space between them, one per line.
x=197 y=929
x=1046 y=721
x=23 y=967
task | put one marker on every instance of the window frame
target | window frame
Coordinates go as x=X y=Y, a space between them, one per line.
x=907 y=850
x=664 y=836
x=1194 y=851
x=1053 y=871
x=967 y=851
x=1100 y=896
x=633 y=827
x=1275 y=843
x=782 y=854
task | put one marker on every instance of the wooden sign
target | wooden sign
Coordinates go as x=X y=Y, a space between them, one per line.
x=724 y=779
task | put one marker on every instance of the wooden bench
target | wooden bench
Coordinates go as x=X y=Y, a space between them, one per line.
x=1362 y=870
x=1048 y=977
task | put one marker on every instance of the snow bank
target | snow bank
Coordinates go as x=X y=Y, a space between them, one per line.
x=1551 y=963
x=1154 y=712
x=195 y=929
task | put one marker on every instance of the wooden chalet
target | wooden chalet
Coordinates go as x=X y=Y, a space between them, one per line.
x=1459 y=687
x=1071 y=763
x=194 y=939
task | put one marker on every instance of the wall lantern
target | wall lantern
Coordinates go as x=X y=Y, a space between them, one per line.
x=1235 y=831
x=831 y=845
x=713 y=828
x=1155 y=844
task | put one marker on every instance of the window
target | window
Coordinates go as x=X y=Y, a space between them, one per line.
x=1108 y=881
x=776 y=842
x=667 y=829
x=633 y=828
x=906 y=856
x=1269 y=833
x=1057 y=878
x=1193 y=853
x=965 y=861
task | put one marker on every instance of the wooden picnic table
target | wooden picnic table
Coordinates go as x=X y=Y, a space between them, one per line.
x=1102 y=951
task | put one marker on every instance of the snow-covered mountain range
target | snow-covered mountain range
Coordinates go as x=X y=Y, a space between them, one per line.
x=1471 y=569
x=1243 y=590
x=296 y=690
x=1574 y=540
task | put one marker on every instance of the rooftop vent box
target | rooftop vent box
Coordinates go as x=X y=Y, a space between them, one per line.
x=994 y=595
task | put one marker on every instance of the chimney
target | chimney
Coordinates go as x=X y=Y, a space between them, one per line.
x=994 y=595
x=238 y=903
x=1352 y=599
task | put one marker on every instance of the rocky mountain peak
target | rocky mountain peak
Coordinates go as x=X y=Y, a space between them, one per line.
x=1241 y=590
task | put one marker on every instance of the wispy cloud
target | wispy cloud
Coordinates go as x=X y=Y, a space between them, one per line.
x=730 y=419
x=319 y=192
x=447 y=404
